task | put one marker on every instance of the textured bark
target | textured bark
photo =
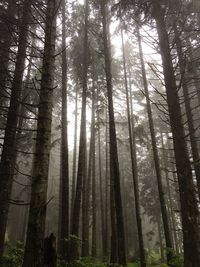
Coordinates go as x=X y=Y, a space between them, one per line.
x=64 y=179
x=101 y=192
x=113 y=143
x=132 y=145
x=160 y=238
x=189 y=209
x=74 y=159
x=8 y=157
x=94 y=206
x=36 y=223
x=156 y=159
x=106 y=190
x=170 y=205
x=113 y=240
x=85 y=233
x=81 y=174
x=189 y=115
x=5 y=44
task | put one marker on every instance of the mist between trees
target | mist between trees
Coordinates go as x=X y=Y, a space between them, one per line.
x=99 y=133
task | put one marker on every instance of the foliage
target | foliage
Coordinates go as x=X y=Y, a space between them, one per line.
x=153 y=258
x=83 y=262
x=177 y=260
x=14 y=256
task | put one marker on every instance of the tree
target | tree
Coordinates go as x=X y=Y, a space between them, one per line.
x=81 y=173
x=64 y=181
x=132 y=145
x=156 y=157
x=7 y=157
x=33 y=255
x=114 y=164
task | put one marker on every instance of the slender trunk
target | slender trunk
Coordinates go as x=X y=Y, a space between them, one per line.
x=160 y=239
x=156 y=159
x=171 y=212
x=126 y=225
x=74 y=159
x=114 y=239
x=64 y=179
x=6 y=41
x=7 y=157
x=106 y=189
x=189 y=208
x=85 y=241
x=134 y=164
x=33 y=255
x=189 y=115
x=94 y=205
x=81 y=174
x=113 y=142
x=101 y=191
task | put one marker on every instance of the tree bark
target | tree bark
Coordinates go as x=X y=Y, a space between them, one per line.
x=94 y=205
x=170 y=205
x=189 y=115
x=113 y=143
x=64 y=179
x=5 y=45
x=101 y=191
x=33 y=255
x=74 y=159
x=189 y=208
x=7 y=157
x=132 y=145
x=81 y=174
x=156 y=159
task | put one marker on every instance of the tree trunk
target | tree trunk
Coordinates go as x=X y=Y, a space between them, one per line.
x=101 y=191
x=106 y=189
x=33 y=255
x=114 y=240
x=81 y=174
x=134 y=163
x=94 y=205
x=189 y=115
x=7 y=157
x=64 y=179
x=160 y=239
x=113 y=143
x=74 y=159
x=171 y=211
x=5 y=44
x=189 y=209
x=156 y=159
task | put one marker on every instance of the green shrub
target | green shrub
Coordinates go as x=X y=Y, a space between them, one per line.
x=177 y=260
x=14 y=256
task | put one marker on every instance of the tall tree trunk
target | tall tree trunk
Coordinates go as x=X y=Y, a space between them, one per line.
x=113 y=142
x=133 y=163
x=189 y=208
x=106 y=189
x=160 y=238
x=85 y=242
x=101 y=190
x=114 y=239
x=81 y=174
x=156 y=159
x=94 y=204
x=189 y=115
x=64 y=179
x=74 y=159
x=5 y=45
x=7 y=157
x=33 y=255
x=171 y=212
